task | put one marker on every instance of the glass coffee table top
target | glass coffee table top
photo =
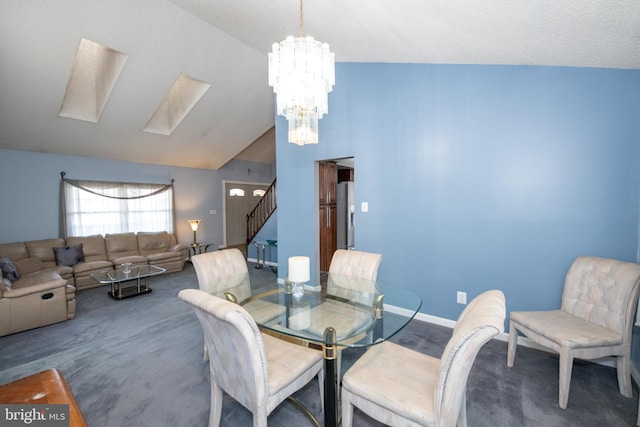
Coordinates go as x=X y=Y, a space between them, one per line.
x=117 y=277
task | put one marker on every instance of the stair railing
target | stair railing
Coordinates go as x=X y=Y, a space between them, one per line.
x=257 y=218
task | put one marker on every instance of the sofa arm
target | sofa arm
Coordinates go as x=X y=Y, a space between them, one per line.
x=71 y=301
x=33 y=289
x=178 y=248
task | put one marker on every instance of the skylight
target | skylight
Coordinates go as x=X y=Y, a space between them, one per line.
x=94 y=74
x=183 y=96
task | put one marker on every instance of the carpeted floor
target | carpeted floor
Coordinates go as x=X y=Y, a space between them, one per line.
x=138 y=362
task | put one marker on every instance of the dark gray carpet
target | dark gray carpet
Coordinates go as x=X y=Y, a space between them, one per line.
x=138 y=362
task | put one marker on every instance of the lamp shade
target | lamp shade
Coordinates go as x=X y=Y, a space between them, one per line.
x=299 y=269
x=194 y=224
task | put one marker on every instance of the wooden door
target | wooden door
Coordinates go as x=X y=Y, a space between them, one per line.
x=328 y=182
x=240 y=199
x=327 y=187
x=328 y=235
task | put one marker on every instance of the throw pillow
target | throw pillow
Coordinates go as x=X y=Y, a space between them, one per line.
x=29 y=265
x=68 y=255
x=5 y=284
x=9 y=270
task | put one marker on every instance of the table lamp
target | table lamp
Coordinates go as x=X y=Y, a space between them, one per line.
x=194 y=226
x=299 y=273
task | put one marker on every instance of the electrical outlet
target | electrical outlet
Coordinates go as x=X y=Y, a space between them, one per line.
x=461 y=297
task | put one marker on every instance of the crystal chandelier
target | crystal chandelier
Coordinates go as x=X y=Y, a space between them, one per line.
x=302 y=73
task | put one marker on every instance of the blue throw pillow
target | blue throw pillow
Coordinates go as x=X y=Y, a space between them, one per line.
x=9 y=269
x=68 y=255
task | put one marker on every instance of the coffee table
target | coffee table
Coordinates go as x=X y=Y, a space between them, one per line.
x=117 y=277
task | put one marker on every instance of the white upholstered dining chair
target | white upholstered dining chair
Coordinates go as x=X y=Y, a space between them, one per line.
x=221 y=270
x=595 y=319
x=399 y=386
x=350 y=273
x=363 y=265
x=257 y=370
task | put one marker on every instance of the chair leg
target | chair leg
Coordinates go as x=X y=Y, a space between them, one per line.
x=339 y=373
x=624 y=375
x=513 y=343
x=462 y=417
x=260 y=418
x=216 y=405
x=566 y=366
x=347 y=410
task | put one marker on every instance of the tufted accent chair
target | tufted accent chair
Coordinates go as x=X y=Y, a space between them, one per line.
x=363 y=265
x=349 y=272
x=258 y=371
x=399 y=386
x=221 y=270
x=595 y=319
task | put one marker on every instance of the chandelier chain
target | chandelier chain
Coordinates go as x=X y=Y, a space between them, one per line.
x=301 y=21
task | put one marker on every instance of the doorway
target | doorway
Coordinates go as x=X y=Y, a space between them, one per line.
x=239 y=199
x=336 y=207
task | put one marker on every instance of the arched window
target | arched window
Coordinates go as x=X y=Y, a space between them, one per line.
x=236 y=192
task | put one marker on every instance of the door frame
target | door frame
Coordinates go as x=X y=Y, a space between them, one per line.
x=346 y=162
x=224 y=204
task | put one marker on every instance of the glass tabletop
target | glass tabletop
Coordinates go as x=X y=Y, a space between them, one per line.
x=123 y=273
x=362 y=312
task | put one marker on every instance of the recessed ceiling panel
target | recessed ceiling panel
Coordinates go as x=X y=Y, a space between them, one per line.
x=94 y=74
x=183 y=96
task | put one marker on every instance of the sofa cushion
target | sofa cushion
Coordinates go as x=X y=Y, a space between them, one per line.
x=154 y=242
x=68 y=255
x=88 y=267
x=29 y=265
x=43 y=250
x=36 y=278
x=9 y=269
x=93 y=247
x=121 y=245
x=14 y=251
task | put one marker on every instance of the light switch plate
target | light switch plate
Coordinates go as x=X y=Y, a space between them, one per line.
x=364 y=207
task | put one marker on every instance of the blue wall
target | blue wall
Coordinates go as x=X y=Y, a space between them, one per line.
x=477 y=177
x=29 y=210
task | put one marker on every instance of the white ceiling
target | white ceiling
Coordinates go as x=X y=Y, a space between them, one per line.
x=225 y=43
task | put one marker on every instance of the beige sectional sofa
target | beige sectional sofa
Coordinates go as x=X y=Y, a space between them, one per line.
x=44 y=293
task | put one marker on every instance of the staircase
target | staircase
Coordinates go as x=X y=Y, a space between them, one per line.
x=261 y=213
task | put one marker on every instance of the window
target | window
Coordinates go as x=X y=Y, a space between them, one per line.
x=236 y=192
x=258 y=193
x=97 y=207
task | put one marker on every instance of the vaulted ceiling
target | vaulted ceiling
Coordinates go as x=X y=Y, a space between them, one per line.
x=225 y=43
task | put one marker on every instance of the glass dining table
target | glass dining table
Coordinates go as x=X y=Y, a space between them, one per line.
x=330 y=311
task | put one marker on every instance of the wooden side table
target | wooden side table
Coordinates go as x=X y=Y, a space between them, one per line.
x=46 y=387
